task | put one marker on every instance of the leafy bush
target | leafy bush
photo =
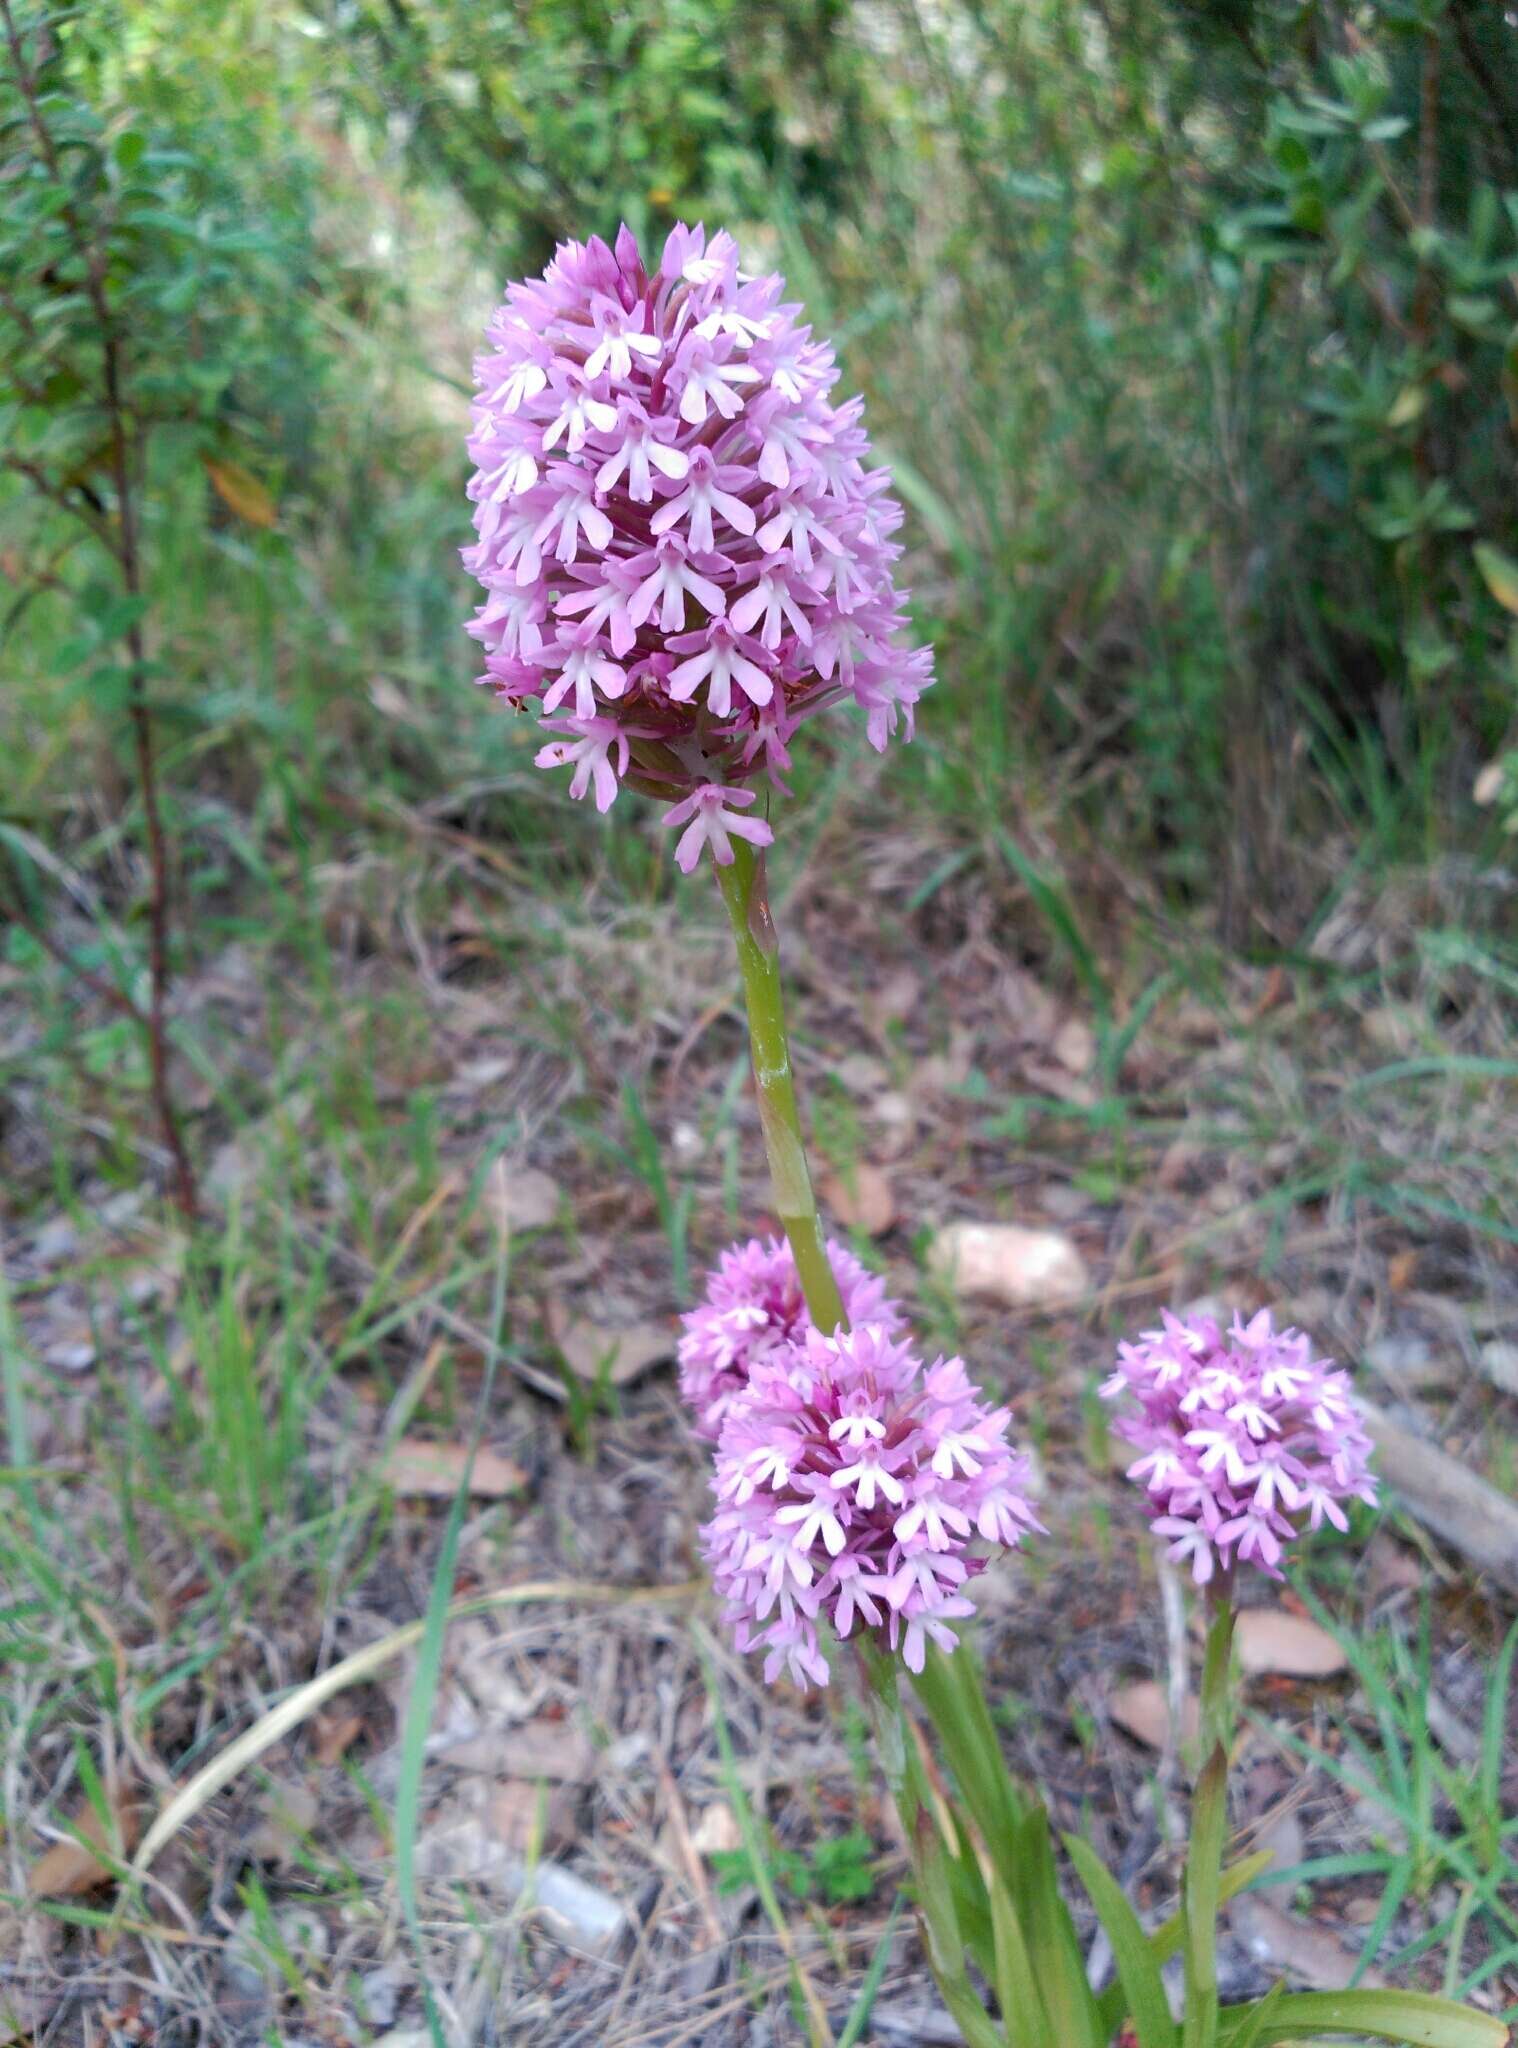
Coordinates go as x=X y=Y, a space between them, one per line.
x=145 y=322
x=1189 y=329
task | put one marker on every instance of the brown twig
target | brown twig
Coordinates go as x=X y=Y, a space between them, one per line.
x=122 y=541
x=97 y=984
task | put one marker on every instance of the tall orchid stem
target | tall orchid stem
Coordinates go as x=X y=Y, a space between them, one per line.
x=1209 y=1827
x=745 y=893
x=925 y=1845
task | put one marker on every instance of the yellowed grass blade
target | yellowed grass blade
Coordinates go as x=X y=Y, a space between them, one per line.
x=304 y=1701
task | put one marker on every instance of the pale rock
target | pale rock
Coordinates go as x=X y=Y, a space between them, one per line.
x=717 y=1832
x=1004 y=1262
x=537 y=1749
x=1499 y=1361
x=464 y=1846
x=1281 y=1833
x=1143 y=1711
x=1308 y=1954
x=1271 y=1642
x=1394 y=1028
x=379 y=1993
x=899 y=994
x=415 y=1469
x=74 y=1354
x=862 y=1199
x=532 y=1817
x=1075 y=1045
x=627 y=1750
x=894 y=1115
x=592 y=1349
x=56 y=1241
x=861 y=1073
x=290 y=1812
x=521 y=1197
x=475 y=1075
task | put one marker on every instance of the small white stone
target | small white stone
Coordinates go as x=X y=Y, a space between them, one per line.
x=1004 y=1262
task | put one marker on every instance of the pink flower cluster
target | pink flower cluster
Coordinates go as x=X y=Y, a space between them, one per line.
x=1244 y=1439
x=753 y=1306
x=855 y=1484
x=682 y=549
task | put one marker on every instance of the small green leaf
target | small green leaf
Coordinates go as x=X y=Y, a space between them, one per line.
x=1500 y=574
x=1473 y=310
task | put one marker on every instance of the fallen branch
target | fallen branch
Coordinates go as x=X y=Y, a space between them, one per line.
x=1447 y=1497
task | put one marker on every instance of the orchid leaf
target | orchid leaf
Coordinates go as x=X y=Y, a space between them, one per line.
x=1412 y=2017
x=1263 y=2013
x=1052 y=1943
x=1138 y=1972
x=1167 y=1937
x=1017 y=1985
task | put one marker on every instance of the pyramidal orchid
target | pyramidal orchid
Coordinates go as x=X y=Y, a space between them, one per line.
x=685 y=552
x=684 y=549
x=1245 y=1439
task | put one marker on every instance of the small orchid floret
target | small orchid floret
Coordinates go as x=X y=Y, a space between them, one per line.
x=753 y=1307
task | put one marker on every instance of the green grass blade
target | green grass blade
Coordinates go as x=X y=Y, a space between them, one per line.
x=1199 y=1899
x=1053 y=906
x=1494 y=1725
x=952 y=1690
x=17 y=1438
x=864 y=2003
x=803 y=1993
x=1260 y=2017
x=1396 y=1890
x=1320 y=1868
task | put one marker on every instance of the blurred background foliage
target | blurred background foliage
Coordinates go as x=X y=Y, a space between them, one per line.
x=1190 y=329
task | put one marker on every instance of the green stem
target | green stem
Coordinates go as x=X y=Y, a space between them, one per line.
x=1217 y=1691
x=925 y=1845
x=744 y=892
x=1209 y=1827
